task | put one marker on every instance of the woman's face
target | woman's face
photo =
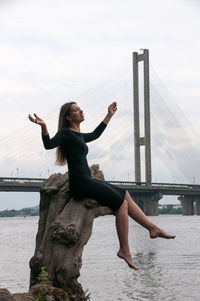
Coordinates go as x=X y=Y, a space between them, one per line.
x=76 y=114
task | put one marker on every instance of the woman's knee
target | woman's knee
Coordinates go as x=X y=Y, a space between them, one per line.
x=127 y=195
x=125 y=204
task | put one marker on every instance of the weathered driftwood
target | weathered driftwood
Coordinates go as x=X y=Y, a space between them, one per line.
x=65 y=226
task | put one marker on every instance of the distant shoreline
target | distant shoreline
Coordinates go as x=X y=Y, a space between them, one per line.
x=33 y=211
x=7 y=214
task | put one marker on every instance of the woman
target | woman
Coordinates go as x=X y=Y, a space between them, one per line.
x=72 y=149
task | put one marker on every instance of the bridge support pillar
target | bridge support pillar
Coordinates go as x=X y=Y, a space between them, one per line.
x=198 y=206
x=148 y=202
x=187 y=202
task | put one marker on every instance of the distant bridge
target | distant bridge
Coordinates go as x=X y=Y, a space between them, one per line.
x=145 y=194
x=34 y=184
x=21 y=184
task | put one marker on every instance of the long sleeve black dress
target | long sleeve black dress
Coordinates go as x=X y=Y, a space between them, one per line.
x=81 y=184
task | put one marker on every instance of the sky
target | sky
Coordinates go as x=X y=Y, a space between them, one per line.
x=53 y=51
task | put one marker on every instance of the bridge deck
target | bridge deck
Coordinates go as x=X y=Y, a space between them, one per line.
x=164 y=188
x=34 y=184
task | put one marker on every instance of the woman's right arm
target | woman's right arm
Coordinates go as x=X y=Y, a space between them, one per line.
x=48 y=143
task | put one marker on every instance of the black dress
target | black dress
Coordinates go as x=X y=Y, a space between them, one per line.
x=81 y=184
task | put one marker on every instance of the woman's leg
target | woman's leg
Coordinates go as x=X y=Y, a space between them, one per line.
x=129 y=207
x=138 y=215
x=122 y=231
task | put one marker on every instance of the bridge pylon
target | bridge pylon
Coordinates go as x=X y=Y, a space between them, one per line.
x=138 y=140
x=148 y=202
x=187 y=202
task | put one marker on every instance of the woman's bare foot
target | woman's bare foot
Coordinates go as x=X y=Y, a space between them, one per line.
x=128 y=258
x=157 y=232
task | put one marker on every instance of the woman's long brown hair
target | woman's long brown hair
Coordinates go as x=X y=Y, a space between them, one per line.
x=65 y=111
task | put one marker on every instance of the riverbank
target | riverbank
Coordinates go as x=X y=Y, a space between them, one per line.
x=33 y=211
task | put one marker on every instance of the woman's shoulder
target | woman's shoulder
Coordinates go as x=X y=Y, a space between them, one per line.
x=64 y=132
x=69 y=134
x=65 y=129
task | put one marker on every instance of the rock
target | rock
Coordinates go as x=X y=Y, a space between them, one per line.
x=5 y=295
x=40 y=292
x=49 y=293
x=23 y=297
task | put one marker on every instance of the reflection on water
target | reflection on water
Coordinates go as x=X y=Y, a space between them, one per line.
x=169 y=269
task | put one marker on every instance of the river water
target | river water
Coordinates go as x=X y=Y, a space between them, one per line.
x=169 y=269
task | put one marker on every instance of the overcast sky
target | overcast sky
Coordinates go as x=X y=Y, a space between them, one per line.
x=55 y=51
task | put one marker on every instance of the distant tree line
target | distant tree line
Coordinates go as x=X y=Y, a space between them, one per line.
x=170 y=209
x=34 y=211
x=22 y=212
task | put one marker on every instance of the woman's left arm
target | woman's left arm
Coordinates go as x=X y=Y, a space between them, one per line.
x=88 y=137
x=111 y=111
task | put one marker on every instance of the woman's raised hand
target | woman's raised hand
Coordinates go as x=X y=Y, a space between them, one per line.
x=36 y=120
x=112 y=108
x=111 y=111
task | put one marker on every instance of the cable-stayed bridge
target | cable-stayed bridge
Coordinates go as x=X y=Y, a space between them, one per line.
x=165 y=125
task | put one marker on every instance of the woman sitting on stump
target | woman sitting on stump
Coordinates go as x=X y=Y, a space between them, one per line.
x=72 y=149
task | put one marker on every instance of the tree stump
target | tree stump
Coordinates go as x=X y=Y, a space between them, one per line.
x=65 y=226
